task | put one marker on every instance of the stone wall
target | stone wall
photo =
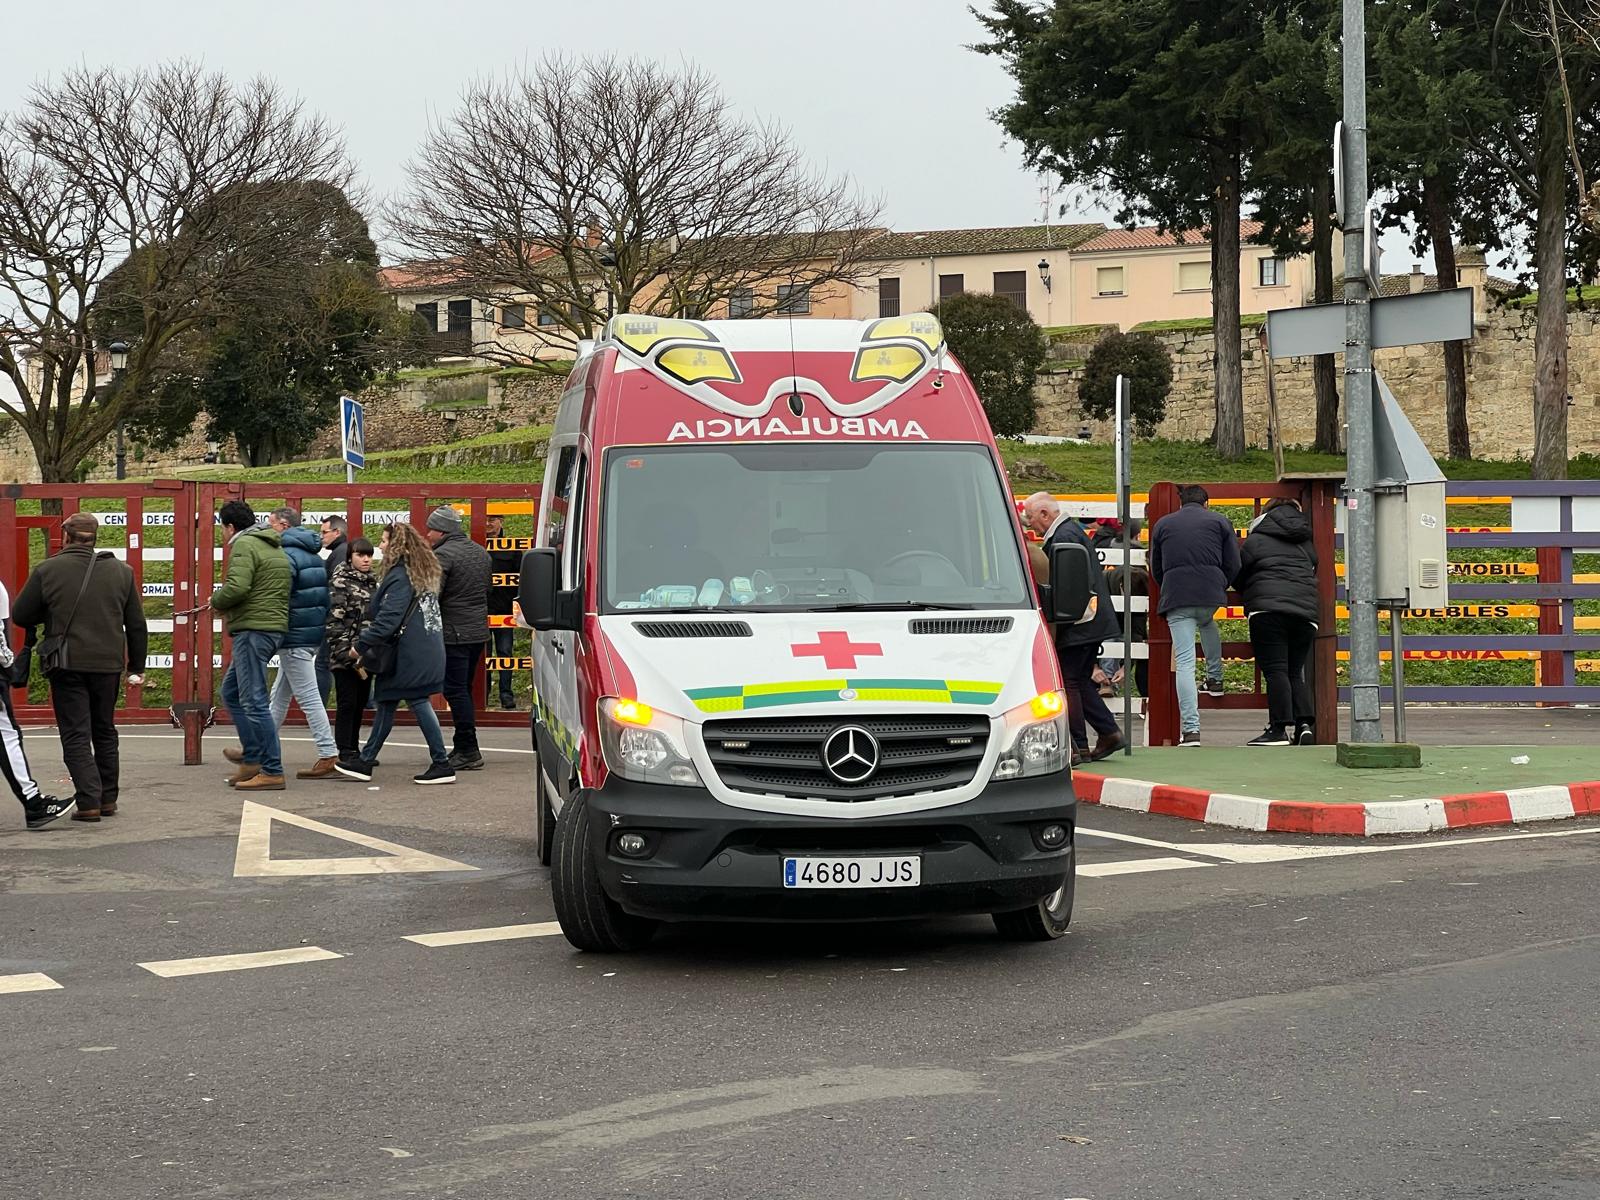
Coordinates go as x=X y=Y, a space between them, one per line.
x=1499 y=388
x=400 y=414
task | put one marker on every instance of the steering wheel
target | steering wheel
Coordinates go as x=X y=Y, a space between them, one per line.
x=909 y=555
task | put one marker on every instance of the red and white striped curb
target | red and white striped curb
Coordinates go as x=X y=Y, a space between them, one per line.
x=1350 y=820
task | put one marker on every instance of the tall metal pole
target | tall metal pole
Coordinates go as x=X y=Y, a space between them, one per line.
x=1124 y=450
x=1361 y=526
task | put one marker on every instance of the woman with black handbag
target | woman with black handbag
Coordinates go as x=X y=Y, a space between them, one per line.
x=403 y=650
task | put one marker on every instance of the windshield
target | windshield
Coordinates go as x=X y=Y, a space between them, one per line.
x=808 y=527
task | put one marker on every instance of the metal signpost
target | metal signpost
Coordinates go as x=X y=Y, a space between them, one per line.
x=352 y=435
x=1354 y=329
x=1124 y=456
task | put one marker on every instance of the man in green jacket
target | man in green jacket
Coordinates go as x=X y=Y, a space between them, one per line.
x=254 y=597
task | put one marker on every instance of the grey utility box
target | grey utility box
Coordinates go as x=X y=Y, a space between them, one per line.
x=1412 y=570
x=1413 y=566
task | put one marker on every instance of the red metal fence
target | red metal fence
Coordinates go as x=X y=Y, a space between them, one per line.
x=30 y=528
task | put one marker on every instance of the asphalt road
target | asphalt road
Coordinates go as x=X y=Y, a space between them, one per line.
x=1232 y=1016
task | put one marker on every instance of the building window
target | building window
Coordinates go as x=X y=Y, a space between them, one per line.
x=430 y=313
x=741 y=304
x=513 y=316
x=1194 y=277
x=458 y=316
x=1012 y=286
x=1273 y=273
x=889 y=297
x=794 y=299
x=1108 y=281
x=950 y=285
x=546 y=317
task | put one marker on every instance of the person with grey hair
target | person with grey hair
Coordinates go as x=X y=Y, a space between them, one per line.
x=464 y=605
x=1078 y=645
x=297 y=652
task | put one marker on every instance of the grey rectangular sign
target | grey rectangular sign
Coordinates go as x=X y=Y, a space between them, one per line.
x=1396 y=321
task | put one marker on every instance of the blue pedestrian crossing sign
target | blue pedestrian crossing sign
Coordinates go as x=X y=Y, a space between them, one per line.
x=352 y=425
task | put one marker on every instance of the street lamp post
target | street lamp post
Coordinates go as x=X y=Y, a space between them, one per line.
x=119 y=364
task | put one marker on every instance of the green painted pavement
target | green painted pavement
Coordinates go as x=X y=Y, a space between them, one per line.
x=1309 y=772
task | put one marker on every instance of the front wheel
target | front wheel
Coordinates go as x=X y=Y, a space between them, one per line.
x=589 y=918
x=1046 y=920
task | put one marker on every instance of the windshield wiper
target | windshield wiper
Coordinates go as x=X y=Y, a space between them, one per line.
x=892 y=605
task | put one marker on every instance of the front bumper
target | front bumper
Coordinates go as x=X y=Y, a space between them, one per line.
x=711 y=861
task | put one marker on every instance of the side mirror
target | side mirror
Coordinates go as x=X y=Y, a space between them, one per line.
x=1071 y=582
x=544 y=605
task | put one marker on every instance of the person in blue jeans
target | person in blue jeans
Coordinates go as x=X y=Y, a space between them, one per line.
x=1194 y=556
x=405 y=615
x=254 y=600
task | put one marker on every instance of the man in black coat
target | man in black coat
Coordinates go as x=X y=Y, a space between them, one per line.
x=92 y=600
x=464 y=605
x=1194 y=555
x=1078 y=645
x=336 y=550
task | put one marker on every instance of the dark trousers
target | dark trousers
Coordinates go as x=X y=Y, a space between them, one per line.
x=86 y=713
x=324 y=673
x=1282 y=645
x=461 y=665
x=504 y=647
x=1084 y=702
x=351 y=689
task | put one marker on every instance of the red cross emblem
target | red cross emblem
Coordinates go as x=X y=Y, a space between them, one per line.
x=836 y=650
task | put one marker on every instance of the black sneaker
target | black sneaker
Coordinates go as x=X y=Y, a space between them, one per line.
x=466 y=762
x=509 y=703
x=46 y=810
x=438 y=773
x=1213 y=687
x=355 y=768
x=1272 y=735
x=1305 y=735
x=1189 y=739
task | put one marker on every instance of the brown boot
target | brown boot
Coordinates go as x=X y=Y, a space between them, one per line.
x=108 y=808
x=321 y=769
x=260 y=783
x=86 y=814
x=233 y=754
x=245 y=771
x=1108 y=745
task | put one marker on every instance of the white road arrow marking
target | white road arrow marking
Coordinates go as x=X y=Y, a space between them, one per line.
x=254 y=854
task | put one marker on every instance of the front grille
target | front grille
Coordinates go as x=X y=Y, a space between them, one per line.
x=693 y=629
x=961 y=625
x=783 y=756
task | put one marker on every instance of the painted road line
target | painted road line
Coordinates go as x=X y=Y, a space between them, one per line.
x=1137 y=866
x=33 y=981
x=495 y=933
x=173 y=968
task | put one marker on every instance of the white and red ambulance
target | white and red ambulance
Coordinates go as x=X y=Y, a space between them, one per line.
x=790 y=663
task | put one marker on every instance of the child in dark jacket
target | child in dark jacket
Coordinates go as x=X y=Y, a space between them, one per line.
x=1278 y=582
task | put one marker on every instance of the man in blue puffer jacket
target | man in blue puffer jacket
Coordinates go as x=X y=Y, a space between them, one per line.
x=308 y=619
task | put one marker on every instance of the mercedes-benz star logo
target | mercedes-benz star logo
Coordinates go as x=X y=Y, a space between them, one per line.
x=850 y=754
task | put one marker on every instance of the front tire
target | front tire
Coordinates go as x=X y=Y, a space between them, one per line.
x=589 y=918
x=1048 y=919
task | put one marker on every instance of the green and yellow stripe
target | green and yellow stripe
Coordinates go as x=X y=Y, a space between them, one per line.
x=740 y=697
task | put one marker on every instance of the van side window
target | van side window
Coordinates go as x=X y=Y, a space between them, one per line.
x=558 y=484
x=572 y=551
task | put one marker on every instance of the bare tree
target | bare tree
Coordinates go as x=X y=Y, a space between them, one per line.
x=613 y=185
x=161 y=170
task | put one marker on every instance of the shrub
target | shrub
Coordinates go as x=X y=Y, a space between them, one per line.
x=1148 y=366
x=1002 y=349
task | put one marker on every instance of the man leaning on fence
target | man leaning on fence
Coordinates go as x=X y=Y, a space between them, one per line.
x=1194 y=555
x=94 y=629
x=254 y=598
x=464 y=605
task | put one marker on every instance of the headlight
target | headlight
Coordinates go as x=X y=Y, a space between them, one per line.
x=645 y=745
x=1031 y=746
